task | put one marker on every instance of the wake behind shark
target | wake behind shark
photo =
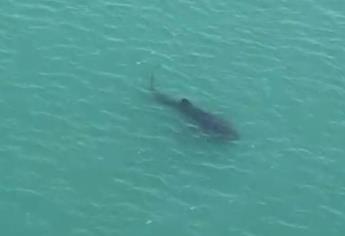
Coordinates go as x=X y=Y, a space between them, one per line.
x=210 y=124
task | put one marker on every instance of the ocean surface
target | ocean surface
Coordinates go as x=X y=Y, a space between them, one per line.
x=85 y=150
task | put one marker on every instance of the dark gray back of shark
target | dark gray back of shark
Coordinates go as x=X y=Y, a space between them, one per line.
x=208 y=123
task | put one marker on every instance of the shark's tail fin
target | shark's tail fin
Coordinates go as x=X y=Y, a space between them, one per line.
x=152 y=83
x=153 y=79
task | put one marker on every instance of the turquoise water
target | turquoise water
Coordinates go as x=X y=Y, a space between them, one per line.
x=85 y=150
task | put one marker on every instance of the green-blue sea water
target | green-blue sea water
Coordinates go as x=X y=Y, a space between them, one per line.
x=85 y=149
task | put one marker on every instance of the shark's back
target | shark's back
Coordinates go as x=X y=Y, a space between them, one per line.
x=208 y=122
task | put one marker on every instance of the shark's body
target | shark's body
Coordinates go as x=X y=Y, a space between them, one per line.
x=208 y=123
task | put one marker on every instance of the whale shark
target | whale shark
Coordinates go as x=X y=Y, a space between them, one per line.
x=209 y=123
